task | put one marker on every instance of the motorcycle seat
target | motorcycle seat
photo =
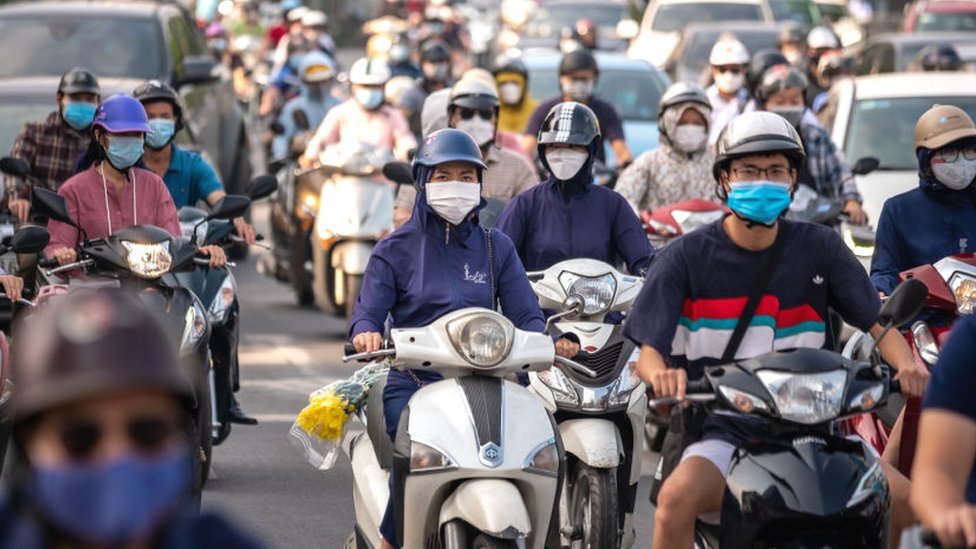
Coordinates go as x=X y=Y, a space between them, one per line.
x=376 y=426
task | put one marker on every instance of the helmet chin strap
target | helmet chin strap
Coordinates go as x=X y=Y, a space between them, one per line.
x=752 y=223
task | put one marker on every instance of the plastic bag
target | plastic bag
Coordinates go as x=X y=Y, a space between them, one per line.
x=321 y=426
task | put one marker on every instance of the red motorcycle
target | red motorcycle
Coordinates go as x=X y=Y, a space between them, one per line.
x=669 y=222
x=951 y=283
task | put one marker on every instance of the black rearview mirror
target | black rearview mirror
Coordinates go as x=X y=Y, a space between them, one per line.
x=53 y=205
x=398 y=172
x=301 y=120
x=277 y=128
x=904 y=304
x=261 y=186
x=865 y=165
x=198 y=70
x=30 y=239
x=230 y=206
x=14 y=166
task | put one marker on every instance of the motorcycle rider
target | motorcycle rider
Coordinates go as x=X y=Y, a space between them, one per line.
x=578 y=73
x=473 y=109
x=834 y=66
x=937 y=57
x=52 y=148
x=567 y=216
x=728 y=94
x=820 y=40
x=364 y=117
x=439 y=262
x=944 y=486
x=284 y=81
x=315 y=28
x=110 y=192
x=435 y=66
x=680 y=168
x=517 y=104
x=781 y=92
x=187 y=175
x=315 y=99
x=678 y=319
x=792 y=43
x=100 y=415
x=937 y=219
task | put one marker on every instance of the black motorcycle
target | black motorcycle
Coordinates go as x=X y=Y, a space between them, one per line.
x=801 y=484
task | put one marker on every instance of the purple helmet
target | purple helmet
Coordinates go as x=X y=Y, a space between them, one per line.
x=122 y=113
x=214 y=30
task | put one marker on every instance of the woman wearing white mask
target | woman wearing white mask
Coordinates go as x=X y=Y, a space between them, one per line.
x=728 y=95
x=680 y=169
x=567 y=216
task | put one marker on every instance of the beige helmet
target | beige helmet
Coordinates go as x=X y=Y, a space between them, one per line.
x=941 y=125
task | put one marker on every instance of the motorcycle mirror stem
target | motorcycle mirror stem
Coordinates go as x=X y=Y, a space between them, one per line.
x=573 y=305
x=903 y=305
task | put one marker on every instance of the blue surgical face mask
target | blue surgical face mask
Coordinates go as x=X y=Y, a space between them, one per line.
x=162 y=133
x=111 y=503
x=369 y=98
x=124 y=152
x=759 y=201
x=79 y=115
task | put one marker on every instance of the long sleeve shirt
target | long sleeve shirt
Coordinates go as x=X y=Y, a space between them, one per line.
x=349 y=122
x=51 y=148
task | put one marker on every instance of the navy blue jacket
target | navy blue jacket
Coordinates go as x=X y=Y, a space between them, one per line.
x=428 y=268
x=559 y=220
x=922 y=226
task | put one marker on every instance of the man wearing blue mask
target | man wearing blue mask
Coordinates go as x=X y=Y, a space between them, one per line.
x=52 y=148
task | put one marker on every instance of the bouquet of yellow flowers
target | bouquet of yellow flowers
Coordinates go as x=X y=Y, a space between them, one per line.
x=320 y=427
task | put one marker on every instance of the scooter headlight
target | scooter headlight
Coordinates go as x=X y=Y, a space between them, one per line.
x=744 y=402
x=859 y=240
x=563 y=391
x=482 y=339
x=427 y=458
x=963 y=286
x=544 y=459
x=194 y=328
x=625 y=385
x=597 y=291
x=148 y=260
x=867 y=399
x=806 y=398
x=223 y=301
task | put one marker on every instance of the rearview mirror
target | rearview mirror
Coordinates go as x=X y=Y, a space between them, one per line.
x=14 y=166
x=230 y=206
x=904 y=303
x=398 y=172
x=277 y=128
x=574 y=303
x=300 y=119
x=261 y=186
x=30 y=239
x=197 y=70
x=53 y=205
x=865 y=165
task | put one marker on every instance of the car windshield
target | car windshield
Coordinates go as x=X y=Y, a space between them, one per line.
x=798 y=11
x=549 y=21
x=635 y=93
x=884 y=128
x=674 y=17
x=109 y=47
x=695 y=54
x=15 y=112
x=947 y=22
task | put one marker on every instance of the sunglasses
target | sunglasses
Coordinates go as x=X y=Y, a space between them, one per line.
x=468 y=114
x=733 y=70
x=147 y=435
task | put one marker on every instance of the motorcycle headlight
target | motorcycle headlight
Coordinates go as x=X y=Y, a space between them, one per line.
x=544 y=460
x=860 y=241
x=868 y=398
x=598 y=291
x=806 y=398
x=742 y=401
x=426 y=458
x=625 y=385
x=925 y=343
x=222 y=302
x=148 y=260
x=562 y=390
x=483 y=340
x=186 y=229
x=194 y=328
x=963 y=286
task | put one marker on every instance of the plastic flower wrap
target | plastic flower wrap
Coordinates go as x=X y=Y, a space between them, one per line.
x=321 y=426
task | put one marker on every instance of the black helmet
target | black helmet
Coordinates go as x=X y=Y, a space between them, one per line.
x=510 y=64
x=938 y=57
x=571 y=123
x=91 y=343
x=757 y=132
x=447 y=145
x=578 y=60
x=435 y=51
x=154 y=90
x=779 y=78
x=792 y=34
x=682 y=92
x=78 y=80
x=759 y=64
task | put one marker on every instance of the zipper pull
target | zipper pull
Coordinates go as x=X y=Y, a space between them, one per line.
x=447 y=233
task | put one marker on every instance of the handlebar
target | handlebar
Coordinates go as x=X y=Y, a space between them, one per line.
x=695 y=391
x=21 y=300
x=206 y=262
x=563 y=361
x=70 y=267
x=239 y=240
x=47 y=263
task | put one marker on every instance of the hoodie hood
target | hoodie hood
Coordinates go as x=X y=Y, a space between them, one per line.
x=668 y=125
x=427 y=219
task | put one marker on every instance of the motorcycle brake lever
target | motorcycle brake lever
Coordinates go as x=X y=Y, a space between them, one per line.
x=672 y=400
x=563 y=361
x=366 y=356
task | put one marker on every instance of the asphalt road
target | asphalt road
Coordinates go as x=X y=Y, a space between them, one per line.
x=261 y=481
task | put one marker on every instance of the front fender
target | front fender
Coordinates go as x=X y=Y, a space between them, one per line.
x=594 y=441
x=351 y=256
x=492 y=506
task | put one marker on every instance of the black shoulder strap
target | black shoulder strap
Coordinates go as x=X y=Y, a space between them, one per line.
x=755 y=295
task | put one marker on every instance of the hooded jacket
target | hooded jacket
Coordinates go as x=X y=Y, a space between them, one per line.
x=921 y=226
x=559 y=220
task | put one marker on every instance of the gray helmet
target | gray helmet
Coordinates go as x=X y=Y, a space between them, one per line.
x=682 y=92
x=473 y=93
x=779 y=78
x=757 y=132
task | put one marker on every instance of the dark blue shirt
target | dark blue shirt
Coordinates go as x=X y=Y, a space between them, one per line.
x=611 y=126
x=953 y=381
x=190 y=178
x=548 y=225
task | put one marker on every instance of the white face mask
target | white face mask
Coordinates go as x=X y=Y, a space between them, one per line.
x=690 y=138
x=729 y=83
x=579 y=90
x=453 y=200
x=510 y=93
x=481 y=130
x=565 y=163
x=956 y=175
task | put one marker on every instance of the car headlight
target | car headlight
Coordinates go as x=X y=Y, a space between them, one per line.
x=925 y=343
x=186 y=229
x=222 y=302
x=597 y=291
x=194 y=328
x=625 y=385
x=860 y=242
x=963 y=286
x=544 y=460
x=805 y=398
x=426 y=458
x=562 y=389
x=148 y=260
x=483 y=340
x=742 y=401
x=868 y=398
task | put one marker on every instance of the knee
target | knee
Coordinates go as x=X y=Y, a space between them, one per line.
x=673 y=498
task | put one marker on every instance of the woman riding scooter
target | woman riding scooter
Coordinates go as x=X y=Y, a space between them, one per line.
x=440 y=261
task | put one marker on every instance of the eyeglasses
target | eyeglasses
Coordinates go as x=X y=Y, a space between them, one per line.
x=752 y=173
x=729 y=69
x=468 y=114
x=147 y=434
x=948 y=156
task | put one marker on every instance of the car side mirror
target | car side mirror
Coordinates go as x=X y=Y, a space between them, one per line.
x=904 y=303
x=53 y=205
x=14 y=166
x=198 y=70
x=865 y=165
x=230 y=206
x=30 y=239
x=398 y=172
x=261 y=187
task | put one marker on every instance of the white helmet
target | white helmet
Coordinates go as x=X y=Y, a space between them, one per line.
x=369 y=72
x=317 y=67
x=315 y=18
x=822 y=38
x=296 y=14
x=728 y=51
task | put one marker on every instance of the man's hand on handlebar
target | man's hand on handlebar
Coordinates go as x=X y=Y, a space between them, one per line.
x=65 y=255
x=368 y=342
x=245 y=230
x=669 y=382
x=957 y=527
x=20 y=208
x=217 y=256
x=567 y=348
x=12 y=286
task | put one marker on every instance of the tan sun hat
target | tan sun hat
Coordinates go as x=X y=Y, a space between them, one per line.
x=941 y=125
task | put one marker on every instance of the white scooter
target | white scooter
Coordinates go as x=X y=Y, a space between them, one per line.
x=601 y=419
x=477 y=459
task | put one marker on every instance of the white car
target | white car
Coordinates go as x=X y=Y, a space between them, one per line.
x=876 y=115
